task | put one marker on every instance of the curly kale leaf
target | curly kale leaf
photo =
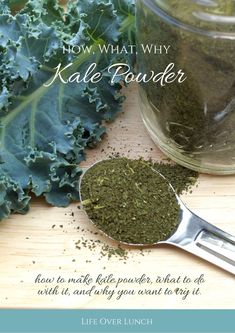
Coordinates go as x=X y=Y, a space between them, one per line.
x=44 y=129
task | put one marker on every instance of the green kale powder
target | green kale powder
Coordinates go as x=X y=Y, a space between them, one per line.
x=193 y=122
x=129 y=201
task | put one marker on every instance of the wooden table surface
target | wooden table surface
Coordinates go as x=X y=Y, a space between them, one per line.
x=44 y=241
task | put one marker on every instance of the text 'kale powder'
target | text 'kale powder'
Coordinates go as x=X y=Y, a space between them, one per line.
x=129 y=201
x=191 y=116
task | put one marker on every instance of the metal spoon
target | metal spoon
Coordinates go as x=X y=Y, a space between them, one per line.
x=196 y=236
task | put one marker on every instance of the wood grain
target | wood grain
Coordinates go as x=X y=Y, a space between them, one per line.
x=43 y=241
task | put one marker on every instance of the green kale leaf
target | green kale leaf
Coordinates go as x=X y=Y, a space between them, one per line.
x=45 y=128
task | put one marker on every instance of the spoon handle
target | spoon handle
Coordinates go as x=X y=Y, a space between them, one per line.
x=203 y=239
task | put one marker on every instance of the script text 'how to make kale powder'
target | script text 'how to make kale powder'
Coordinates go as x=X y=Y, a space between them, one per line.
x=131 y=202
x=193 y=122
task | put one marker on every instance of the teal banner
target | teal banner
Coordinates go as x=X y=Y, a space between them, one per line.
x=112 y=321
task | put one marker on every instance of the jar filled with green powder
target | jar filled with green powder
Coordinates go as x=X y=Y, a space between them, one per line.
x=191 y=115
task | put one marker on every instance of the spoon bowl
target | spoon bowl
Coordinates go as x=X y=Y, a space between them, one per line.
x=193 y=235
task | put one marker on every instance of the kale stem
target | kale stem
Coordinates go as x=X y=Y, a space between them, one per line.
x=129 y=22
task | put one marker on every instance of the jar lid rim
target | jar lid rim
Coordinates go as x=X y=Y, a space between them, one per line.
x=154 y=6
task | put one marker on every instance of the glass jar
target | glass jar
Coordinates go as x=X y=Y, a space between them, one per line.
x=192 y=121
